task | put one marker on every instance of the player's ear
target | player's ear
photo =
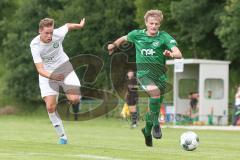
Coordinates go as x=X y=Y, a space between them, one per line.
x=145 y=22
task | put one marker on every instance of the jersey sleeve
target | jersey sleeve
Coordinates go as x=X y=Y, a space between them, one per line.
x=169 y=41
x=35 y=54
x=131 y=36
x=61 y=31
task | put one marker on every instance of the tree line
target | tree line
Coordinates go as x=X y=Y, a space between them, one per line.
x=206 y=29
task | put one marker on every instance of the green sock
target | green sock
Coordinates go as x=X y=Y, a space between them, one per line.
x=149 y=124
x=154 y=106
x=151 y=117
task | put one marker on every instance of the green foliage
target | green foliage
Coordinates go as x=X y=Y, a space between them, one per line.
x=228 y=30
x=105 y=20
x=234 y=83
x=203 y=29
x=22 y=77
x=197 y=21
x=6 y=12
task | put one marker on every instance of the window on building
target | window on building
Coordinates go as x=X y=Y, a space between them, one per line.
x=213 y=89
x=187 y=86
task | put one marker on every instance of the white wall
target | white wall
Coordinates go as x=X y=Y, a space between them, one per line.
x=219 y=106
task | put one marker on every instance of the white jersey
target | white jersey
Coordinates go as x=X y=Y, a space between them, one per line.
x=50 y=54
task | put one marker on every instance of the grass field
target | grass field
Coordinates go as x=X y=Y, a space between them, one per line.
x=33 y=137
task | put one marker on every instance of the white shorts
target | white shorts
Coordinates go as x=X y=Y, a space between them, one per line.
x=51 y=87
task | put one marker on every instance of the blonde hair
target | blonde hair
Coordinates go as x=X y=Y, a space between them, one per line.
x=46 y=22
x=154 y=13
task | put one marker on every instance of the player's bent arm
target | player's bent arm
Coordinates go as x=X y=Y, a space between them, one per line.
x=116 y=44
x=176 y=53
x=119 y=41
x=74 y=26
x=41 y=70
x=46 y=74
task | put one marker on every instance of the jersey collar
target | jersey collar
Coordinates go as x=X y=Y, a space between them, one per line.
x=145 y=32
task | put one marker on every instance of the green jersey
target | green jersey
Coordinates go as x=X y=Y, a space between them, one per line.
x=149 y=51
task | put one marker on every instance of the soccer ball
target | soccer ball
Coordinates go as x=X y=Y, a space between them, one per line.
x=189 y=141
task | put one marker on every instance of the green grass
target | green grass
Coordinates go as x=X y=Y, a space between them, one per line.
x=33 y=137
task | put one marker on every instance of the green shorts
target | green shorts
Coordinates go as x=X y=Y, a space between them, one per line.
x=159 y=81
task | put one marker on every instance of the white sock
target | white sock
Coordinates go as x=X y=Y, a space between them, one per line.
x=57 y=124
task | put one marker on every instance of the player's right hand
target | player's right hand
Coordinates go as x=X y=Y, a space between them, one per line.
x=111 y=48
x=57 y=77
x=168 y=53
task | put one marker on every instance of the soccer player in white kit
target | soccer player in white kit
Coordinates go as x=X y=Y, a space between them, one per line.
x=54 y=69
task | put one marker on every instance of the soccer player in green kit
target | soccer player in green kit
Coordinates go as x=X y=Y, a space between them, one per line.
x=152 y=49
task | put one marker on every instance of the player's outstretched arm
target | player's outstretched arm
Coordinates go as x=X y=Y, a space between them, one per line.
x=111 y=47
x=73 y=26
x=174 y=53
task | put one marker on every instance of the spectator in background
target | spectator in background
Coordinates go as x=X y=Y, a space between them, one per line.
x=236 y=112
x=193 y=109
x=132 y=97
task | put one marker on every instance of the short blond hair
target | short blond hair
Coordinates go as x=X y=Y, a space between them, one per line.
x=46 y=22
x=154 y=13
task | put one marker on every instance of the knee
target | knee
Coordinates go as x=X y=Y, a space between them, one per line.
x=51 y=107
x=74 y=99
x=155 y=93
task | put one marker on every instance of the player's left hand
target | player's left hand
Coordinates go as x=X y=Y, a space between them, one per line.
x=168 y=53
x=82 y=23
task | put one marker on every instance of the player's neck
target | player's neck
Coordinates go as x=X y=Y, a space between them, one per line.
x=151 y=34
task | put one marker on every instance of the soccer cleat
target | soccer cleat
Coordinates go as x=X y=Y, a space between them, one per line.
x=62 y=141
x=157 y=133
x=148 y=139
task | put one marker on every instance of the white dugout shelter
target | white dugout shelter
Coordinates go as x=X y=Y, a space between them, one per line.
x=207 y=77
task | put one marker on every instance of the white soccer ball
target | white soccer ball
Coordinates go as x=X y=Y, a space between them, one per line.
x=189 y=141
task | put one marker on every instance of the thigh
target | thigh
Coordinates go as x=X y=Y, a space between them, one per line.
x=71 y=82
x=71 y=86
x=132 y=99
x=155 y=85
x=149 y=86
x=48 y=87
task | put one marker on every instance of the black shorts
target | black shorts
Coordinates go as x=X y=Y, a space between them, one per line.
x=132 y=99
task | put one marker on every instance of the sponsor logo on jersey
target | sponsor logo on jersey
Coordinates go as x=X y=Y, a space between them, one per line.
x=147 y=52
x=55 y=45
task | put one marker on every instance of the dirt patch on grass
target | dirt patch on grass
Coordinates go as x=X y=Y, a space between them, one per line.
x=7 y=110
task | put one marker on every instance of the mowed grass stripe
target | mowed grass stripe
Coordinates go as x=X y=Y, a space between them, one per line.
x=107 y=138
